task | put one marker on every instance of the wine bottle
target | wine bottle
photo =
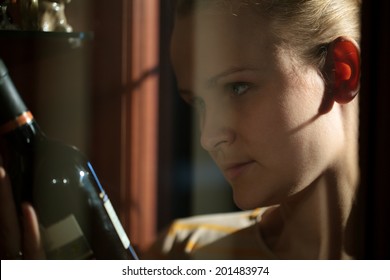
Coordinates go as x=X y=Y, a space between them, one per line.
x=76 y=218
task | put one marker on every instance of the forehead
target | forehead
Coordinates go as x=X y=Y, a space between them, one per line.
x=209 y=40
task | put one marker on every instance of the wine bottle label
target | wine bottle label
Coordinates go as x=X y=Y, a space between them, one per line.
x=65 y=240
x=110 y=211
x=117 y=224
x=23 y=119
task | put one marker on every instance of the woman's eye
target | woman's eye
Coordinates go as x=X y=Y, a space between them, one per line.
x=239 y=88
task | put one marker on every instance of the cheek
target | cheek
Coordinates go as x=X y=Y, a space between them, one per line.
x=309 y=144
x=292 y=143
x=287 y=160
x=291 y=139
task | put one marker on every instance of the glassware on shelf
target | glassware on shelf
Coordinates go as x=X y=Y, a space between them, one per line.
x=5 y=18
x=29 y=13
x=34 y=15
x=52 y=16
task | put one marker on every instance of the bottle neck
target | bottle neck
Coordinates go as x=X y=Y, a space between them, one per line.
x=22 y=132
x=25 y=118
x=12 y=107
x=16 y=121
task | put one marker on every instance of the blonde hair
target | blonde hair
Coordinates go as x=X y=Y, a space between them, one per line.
x=305 y=26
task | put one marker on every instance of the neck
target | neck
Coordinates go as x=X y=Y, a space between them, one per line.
x=313 y=224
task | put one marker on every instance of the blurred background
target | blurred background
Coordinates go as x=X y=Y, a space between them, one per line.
x=107 y=87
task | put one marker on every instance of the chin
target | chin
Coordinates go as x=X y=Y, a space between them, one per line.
x=247 y=201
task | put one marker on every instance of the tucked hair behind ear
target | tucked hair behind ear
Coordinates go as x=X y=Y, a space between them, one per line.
x=305 y=26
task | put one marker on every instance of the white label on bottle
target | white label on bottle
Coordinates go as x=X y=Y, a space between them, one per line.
x=65 y=240
x=117 y=224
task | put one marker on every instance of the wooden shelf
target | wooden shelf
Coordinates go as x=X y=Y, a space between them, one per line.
x=71 y=39
x=19 y=47
x=20 y=34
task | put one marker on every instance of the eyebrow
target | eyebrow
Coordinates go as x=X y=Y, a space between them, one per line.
x=187 y=94
x=233 y=70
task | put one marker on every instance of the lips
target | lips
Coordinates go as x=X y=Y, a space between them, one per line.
x=234 y=170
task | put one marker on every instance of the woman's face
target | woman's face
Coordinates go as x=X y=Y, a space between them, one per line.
x=258 y=107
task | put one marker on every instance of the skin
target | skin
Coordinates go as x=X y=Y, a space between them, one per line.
x=262 y=121
x=15 y=237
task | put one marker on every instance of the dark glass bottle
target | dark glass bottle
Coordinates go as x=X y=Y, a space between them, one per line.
x=76 y=217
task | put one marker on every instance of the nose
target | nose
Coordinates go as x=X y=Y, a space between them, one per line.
x=216 y=131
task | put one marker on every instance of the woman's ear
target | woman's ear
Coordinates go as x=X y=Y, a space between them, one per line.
x=342 y=70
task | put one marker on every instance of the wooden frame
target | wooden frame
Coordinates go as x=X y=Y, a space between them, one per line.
x=140 y=117
x=125 y=111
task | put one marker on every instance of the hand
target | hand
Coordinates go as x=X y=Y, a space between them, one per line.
x=19 y=238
